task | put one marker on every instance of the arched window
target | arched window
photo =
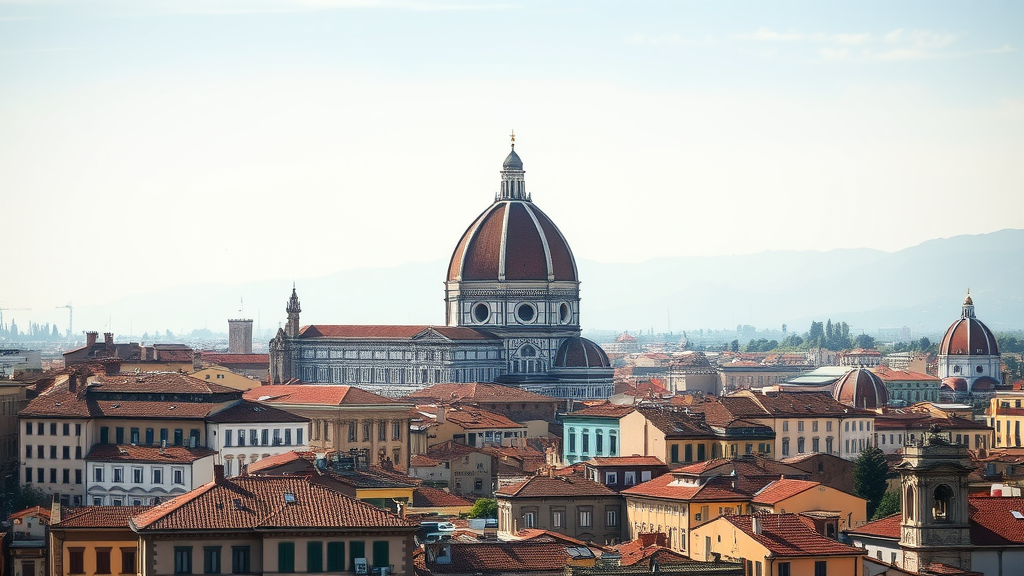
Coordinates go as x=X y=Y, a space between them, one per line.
x=943 y=499
x=956 y=369
x=908 y=505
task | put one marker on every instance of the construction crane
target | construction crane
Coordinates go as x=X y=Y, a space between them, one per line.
x=2 y=313
x=71 y=317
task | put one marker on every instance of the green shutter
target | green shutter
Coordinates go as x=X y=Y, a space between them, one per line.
x=336 y=556
x=358 y=550
x=381 y=553
x=314 y=556
x=286 y=556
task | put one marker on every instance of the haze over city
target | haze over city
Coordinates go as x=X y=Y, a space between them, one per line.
x=152 y=146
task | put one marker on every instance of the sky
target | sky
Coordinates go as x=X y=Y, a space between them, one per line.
x=148 y=144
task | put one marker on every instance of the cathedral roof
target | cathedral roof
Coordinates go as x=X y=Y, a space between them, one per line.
x=576 y=352
x=391 y=332
x=512 y=240
x=968 y=336
x=861 y=388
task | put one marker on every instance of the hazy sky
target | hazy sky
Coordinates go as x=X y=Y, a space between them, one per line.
x=150 y=143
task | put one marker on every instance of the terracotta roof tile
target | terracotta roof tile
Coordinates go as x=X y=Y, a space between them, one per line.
x=248 y=411
x=625 y=461
x=129 y=453
x=782 y=489
x=544 y=486
x=383 y=332
x=99 y=516
x=236 y=359
x=890 y=375
x=37 y=511
x=992 y=521
x=669 y=487
x=477 y=418
x=427 y=497
x=604 y=410
x=326 y=394
x=505 y=557
x=786 y=535
x=245 y=503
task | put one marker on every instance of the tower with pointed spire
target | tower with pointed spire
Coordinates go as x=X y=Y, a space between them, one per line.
x=293 y=309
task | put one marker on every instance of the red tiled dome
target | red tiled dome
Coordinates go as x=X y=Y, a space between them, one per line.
x=955 y=384
x=512 y=240
x=861 y=388
x=579 y=352
x=968 y=336
x=984 y=384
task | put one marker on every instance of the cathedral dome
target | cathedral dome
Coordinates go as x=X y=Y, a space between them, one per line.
x=956 y=384
x=512 y=240
x=579 y=352
x=968 y=336
x=861 y=388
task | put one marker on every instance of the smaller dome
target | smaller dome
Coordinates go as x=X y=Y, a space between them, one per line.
x=576 y=352
x=512 y=161
x=984 y=384
x=861 y=388
x=955 y=384
x=625 y=337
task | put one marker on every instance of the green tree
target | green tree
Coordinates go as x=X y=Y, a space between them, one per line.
x=28 y=496
x=889 y=505
x=734 y=345
x=869 y=474
x=924 y=344
x=484 y=508
x=864 y=341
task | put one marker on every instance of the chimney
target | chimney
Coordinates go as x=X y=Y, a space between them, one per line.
x=441 y=413
x=90 y=338
x=55 y=509
x=112 y=367
x=73 y=382
x=218 y=473
x=108 y=338
x=756 y=524
x=197 y=360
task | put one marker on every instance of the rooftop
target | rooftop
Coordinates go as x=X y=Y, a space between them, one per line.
x=786 y=535
x=132 y=453
x=325 y=394
x=545 y=487
x=478 y=392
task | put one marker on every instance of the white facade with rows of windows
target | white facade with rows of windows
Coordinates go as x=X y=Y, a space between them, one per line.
x=140 y=483
x=240 y=444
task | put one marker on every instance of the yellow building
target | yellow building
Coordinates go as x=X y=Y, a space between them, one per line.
x=788 y=495
x=1005 y=413
x=775 y=545
x=676 y=435
x=91 y=540
x=225 y=377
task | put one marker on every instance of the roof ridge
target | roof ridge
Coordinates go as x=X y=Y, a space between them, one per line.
x=161 y=511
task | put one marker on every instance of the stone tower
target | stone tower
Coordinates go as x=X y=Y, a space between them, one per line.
x=293 y=309
x=936 y=524
x=240 y=336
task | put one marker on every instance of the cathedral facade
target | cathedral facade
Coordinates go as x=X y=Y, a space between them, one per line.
x=512 y=316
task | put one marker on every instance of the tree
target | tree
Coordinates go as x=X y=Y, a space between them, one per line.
x=889 y=505
x=28 y=496
x=924 y=344
x=869 y=474
x=734 y=345
x=484 y=508
x=864 y=341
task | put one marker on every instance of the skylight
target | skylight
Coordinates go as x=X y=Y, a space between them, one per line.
x=1017 y=515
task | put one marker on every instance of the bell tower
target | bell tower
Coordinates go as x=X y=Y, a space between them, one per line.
x=936 y=523
x=293 y=309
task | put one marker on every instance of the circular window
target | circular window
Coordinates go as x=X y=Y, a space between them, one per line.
x=481 y=312
x=525 y=313
x=980 y=369
x=564 y=313
x=528 y=351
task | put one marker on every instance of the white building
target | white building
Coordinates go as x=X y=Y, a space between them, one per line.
x=127 y=475
x=250 y=431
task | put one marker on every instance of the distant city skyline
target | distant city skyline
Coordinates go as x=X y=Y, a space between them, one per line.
x=148 y=146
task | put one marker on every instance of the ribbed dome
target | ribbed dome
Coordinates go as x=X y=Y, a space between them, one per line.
x=576 y=352
x=861 y=388
x=968 y=336
x=512 y=240
x=955 y=384
x=512 y=161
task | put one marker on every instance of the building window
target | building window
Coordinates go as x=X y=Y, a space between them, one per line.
x=529 y=520
x=182 y=559
x=227 y=438
x=785 y=446
x=118 y=474
x=53 y=452
x=382 y=431
x=78 y=476
x=286 y=556
x=381 y=553
x=586 y=518
x=265 y=437
x=241 y=437
x=135 y=435
x=366 y=431
x=800 y=426
x=612 y=518
x=179 y=436
x=158 y=475
x=103 y=560
x=66 y=429
x=351 y=432
x=28 y=450
x=815 y=444
x=572 y=440
x=53 y=428
x=97 y=474
x=298 y=436
x=820 y=568
x=611 y=478
x=78 y=452
x=137 y=475
x=287 y=436
x=674 y=450
x=211 y=560
x=66 y=476
x=785 y=425
x=613 y=447
x=629 y=478
x=356 y=549
x=76 y=560
x=128 y=561
x=800 y=445
x=784 y=569
x=335 y=556
x=179 y=475
x=28 y=428
x=558 y=518
x=163 y=436
x=239 y=559
x=814 y=426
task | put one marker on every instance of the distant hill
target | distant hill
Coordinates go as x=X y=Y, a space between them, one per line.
x=921 y=287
